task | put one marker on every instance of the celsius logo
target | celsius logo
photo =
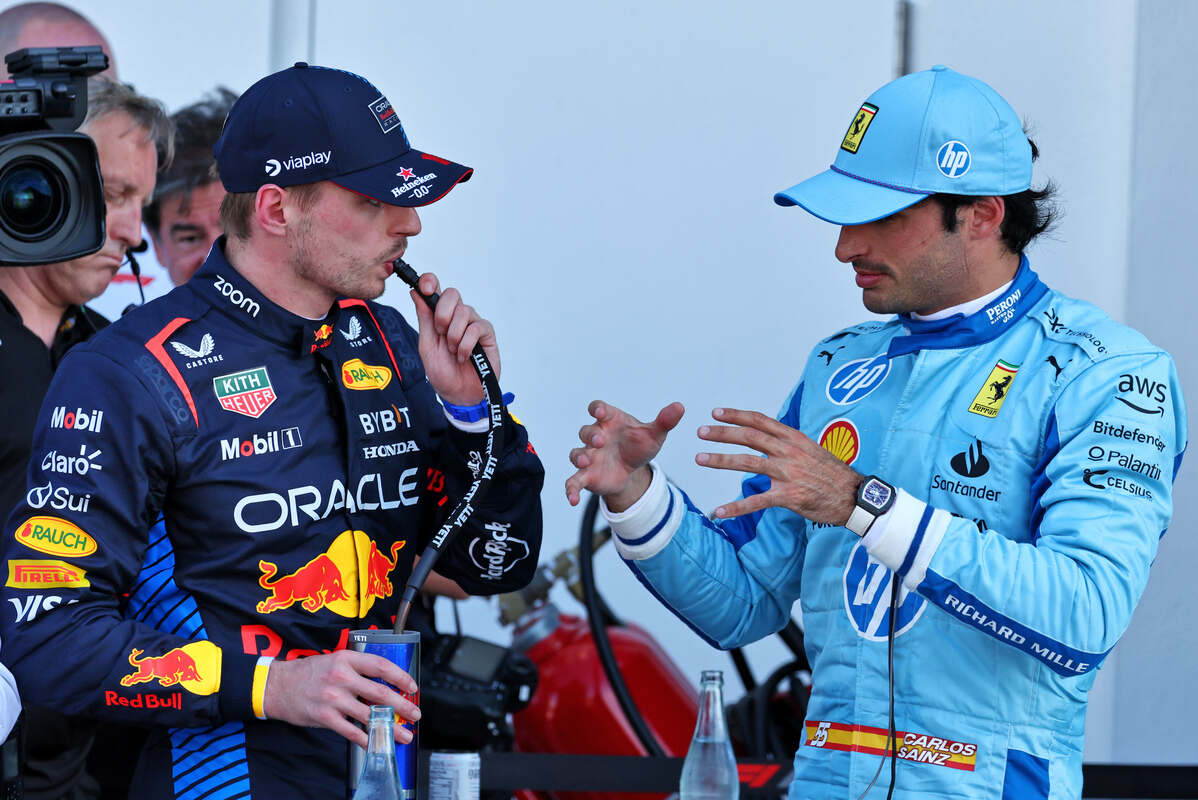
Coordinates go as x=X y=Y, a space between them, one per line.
x=857 y=379
x=971 y=463
x=273 y=167
x=953 y=159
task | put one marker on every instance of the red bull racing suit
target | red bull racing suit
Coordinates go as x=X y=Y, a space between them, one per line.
x=300 y=466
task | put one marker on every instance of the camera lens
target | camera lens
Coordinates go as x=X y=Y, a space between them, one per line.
x=32 y=199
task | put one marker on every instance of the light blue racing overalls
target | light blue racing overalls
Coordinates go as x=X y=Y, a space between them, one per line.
x=1035 y=444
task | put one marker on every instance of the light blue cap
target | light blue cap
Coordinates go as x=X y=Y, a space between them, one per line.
x=927 y=132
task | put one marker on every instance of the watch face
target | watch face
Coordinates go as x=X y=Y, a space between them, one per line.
x=875 y=493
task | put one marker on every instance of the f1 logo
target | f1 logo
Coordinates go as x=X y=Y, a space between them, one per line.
x=953 y=159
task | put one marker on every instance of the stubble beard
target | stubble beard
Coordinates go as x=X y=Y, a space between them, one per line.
x=343 y=276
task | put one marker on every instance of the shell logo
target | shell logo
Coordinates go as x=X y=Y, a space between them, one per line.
x=840 y=438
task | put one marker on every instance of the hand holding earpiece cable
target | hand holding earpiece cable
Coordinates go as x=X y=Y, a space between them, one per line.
x=493 y=397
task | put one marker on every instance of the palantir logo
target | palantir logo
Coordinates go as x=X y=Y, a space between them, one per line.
x=867 y=598
x=953 y=159
x=273 y=167
x=857 y=379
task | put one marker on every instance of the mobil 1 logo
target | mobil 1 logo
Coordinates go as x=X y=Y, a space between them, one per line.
x=867 y=587
x=857 y=379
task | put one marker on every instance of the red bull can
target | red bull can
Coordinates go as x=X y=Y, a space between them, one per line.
x=403 y=650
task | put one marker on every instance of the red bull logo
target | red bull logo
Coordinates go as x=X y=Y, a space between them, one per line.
x=323 y=335
x=346 y=579
x=183 y=666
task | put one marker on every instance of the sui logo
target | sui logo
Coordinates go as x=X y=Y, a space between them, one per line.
x=953 y=159
x=867 y=598
x=857 y=379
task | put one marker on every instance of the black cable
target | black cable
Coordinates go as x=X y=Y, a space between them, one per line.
x=607 y=659
x=742 y=668
x=493 y=397
x=894 y=591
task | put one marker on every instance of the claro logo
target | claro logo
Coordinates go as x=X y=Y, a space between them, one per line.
x=270 y=511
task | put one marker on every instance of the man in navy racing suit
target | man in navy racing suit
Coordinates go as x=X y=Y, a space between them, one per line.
x=997 y=455
x=302 y=443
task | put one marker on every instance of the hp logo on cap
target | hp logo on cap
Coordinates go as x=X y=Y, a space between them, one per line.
x=953 y=159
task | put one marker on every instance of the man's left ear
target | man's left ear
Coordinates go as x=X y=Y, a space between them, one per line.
x=986 y=216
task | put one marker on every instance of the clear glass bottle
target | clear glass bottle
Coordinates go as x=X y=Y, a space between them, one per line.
x=380 y=776
x=709 y=771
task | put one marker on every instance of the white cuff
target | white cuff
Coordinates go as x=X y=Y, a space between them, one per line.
x=478 y=426
x=648 y=525
x=903 y=540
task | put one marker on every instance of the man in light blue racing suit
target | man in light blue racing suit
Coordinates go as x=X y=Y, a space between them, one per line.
x=1004 y=451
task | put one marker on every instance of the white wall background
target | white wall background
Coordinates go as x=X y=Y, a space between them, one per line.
x=620 y=232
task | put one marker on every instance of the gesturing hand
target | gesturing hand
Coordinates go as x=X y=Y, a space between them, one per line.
x=447 y=335
x=804 y=477
x=323 y=691
x=616 y=448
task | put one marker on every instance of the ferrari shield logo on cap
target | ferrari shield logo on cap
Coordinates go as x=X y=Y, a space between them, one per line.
x=858 y=127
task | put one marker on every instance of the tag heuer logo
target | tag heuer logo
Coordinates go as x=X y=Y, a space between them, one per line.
x=247 y=392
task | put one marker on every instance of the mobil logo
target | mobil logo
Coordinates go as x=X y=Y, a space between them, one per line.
x=867 y=587
x=195 y=666
x=953 y=159
x=857 y=379
x=78 y=420
x=346 y=579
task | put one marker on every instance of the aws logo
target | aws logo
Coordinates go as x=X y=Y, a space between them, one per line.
x=1146 y=393
x=357 y=375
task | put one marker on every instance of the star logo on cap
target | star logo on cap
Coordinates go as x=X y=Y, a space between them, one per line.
x=405 y=173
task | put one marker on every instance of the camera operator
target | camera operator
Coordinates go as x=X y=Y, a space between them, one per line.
x=42 y=315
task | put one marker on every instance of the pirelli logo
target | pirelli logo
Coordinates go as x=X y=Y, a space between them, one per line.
x=44 y=574
x=918 y=747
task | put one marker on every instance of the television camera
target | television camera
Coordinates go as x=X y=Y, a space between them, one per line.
x=51 y=194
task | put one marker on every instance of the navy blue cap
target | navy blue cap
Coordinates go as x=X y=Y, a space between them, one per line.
x=927 y=132
x=307 y=124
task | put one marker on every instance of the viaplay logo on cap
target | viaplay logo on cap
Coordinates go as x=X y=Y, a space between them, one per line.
x=953 y=159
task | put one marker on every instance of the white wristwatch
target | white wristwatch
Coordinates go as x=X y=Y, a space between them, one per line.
x=874 y=498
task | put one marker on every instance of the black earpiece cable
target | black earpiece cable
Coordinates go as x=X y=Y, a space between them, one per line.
x=470 y=500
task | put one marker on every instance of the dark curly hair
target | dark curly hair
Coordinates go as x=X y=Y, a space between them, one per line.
x=1028 y=213
x=197 y=127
